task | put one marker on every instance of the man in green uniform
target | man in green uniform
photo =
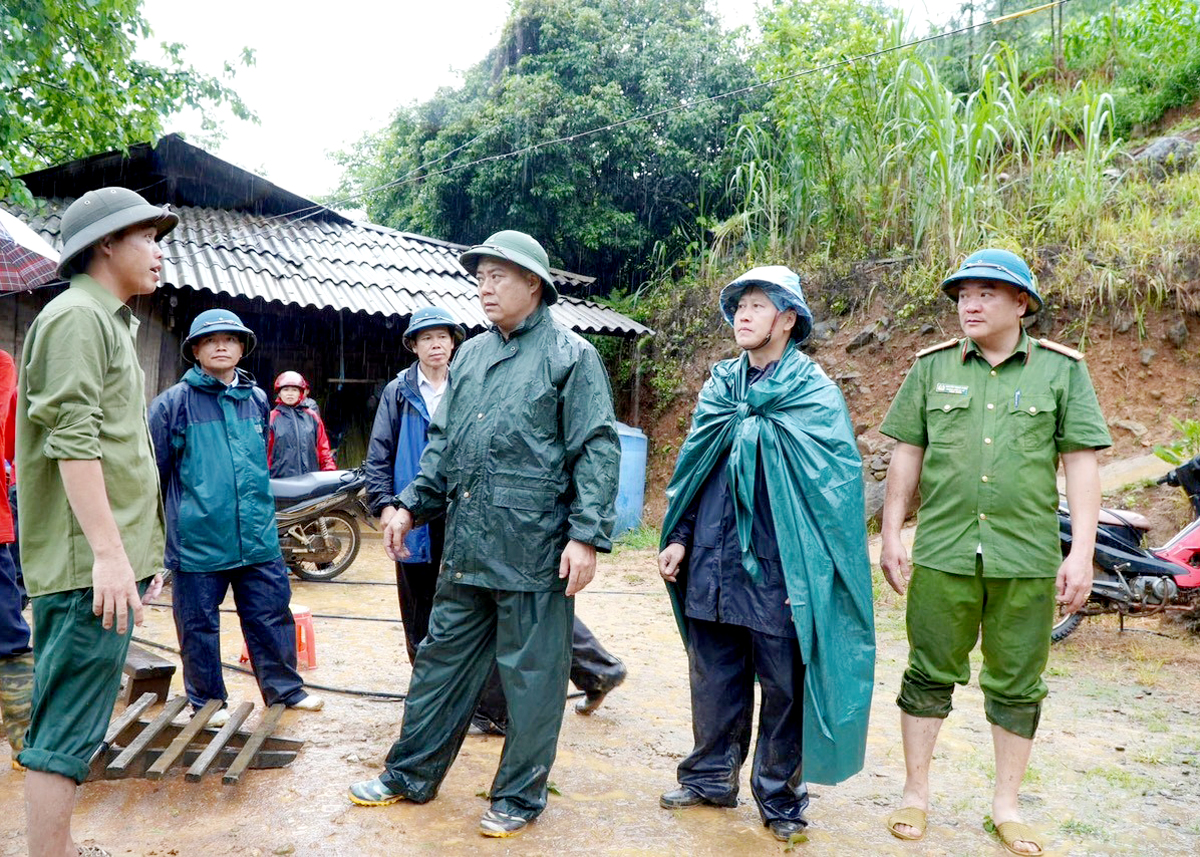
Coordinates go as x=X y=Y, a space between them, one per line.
x=981 y=424
x=523 y=459
x=88 y=492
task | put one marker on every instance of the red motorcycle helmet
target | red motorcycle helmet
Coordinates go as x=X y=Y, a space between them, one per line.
x=291 y=379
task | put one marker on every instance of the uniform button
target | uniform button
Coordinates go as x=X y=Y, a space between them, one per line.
x=990 y=407
x=987 y=440
x=466 y=495
x=946 y=408
x=458 y=574
x=480 y=416
x=982 y=516
x=985 y=479
x=1033 y=410
x=993 y=373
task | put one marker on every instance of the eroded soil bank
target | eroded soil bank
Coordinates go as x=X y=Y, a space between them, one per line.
x=1115 y=769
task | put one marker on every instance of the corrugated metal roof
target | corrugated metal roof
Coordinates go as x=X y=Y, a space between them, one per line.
x=360 y=267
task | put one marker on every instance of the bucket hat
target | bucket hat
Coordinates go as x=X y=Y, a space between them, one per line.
x=782 y=285
x=518 y=248
x=102 y=212
x=1001 y=266
x=432 y=316
x=216 y=321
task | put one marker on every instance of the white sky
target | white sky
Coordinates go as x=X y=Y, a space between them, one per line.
x=327 y=73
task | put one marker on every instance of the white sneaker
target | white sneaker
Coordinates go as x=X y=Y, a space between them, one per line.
x=311 y=702
x=220 y=718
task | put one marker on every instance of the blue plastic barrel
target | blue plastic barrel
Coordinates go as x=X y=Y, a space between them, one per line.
x=631 y=491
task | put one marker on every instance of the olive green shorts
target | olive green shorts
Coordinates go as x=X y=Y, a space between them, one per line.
x=77 y=674
x=948 y=613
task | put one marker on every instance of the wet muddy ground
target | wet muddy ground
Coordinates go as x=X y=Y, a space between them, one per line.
x=1115 y=769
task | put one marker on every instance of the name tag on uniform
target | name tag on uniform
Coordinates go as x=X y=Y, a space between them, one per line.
x=956 y=389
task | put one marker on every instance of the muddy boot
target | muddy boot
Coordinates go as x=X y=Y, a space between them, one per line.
x=16 y=699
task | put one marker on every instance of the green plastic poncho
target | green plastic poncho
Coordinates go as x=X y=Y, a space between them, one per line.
x=796 y=419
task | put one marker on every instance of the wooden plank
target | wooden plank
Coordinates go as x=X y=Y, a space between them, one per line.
x=199 y=721
x=269 y=720
x=127 y=718
x=168 y=733
x=138 y=767
x=217 y=744
x=138 y=744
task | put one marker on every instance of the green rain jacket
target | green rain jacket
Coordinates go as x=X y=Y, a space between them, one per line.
x=797 y=421
x=523 y=455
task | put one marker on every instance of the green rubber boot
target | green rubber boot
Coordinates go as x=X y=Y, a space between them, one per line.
x=16 y=699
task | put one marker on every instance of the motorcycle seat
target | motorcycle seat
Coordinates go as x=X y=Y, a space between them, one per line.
x=297 y=489
x=1124 y=517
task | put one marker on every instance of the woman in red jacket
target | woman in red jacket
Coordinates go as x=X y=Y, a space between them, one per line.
x=297 y=442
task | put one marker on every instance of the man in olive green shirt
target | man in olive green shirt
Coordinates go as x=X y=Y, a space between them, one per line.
x=981 y=424
x=89 y=495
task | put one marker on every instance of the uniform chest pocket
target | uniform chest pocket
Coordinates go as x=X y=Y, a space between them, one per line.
x=948 y=419
x=1033 y=420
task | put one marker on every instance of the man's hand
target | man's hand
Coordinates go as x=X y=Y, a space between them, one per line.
x=578 y=566
x=385 y=515
x=1074 y=582
x=668 y=561
x=154 y=589
x=114 y=592
x=398 y=526
x=897 y=569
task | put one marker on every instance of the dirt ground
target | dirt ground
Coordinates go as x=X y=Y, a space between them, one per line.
x=1115 y=768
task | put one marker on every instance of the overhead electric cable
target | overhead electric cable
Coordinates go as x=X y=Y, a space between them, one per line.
x=686 y=104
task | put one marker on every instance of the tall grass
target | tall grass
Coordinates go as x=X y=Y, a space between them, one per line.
x=884 y=158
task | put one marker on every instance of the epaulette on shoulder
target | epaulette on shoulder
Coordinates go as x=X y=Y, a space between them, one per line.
x=1061 y=349
x=941 y=346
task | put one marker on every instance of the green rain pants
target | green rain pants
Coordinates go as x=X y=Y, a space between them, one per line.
x=528 y=635
x=948 y=613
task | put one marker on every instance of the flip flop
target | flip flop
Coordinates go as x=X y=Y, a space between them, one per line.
x=1012 y=832
x=910 y=815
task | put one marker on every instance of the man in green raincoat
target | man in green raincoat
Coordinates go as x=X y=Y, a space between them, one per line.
x=765 y=556
x=523 y=459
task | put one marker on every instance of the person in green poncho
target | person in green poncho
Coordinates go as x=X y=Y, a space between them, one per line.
x=765 y=556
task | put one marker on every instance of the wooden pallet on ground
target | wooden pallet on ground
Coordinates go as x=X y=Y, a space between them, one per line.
x=150 y=748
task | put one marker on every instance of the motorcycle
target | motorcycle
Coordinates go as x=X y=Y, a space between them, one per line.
x=318 y=516
x=1130 y=579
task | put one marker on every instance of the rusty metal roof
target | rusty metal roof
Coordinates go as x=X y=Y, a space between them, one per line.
x=355 y=266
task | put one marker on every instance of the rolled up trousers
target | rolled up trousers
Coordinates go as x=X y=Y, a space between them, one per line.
x=527 y=635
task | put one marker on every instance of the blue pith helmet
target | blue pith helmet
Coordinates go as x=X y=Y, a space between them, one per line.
x=217 y=321
x=999 y=265
x=432 y=316
x=782 y=285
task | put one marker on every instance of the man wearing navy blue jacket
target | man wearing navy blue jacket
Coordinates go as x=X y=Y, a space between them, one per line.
x=209 y=440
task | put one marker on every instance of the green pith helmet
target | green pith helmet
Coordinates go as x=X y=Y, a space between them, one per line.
x=518 y=248
x=1001 y=266
x=432 y=316
x=102 y=212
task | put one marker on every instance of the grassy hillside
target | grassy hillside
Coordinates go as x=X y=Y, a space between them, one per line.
x=876 y=178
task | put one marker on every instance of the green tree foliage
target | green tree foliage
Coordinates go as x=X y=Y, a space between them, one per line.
x=70 y=85
x=600 y=203
x=885 y=157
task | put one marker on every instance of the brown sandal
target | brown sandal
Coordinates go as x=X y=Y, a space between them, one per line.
x=912 y=816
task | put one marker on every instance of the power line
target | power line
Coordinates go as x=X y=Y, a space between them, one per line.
x=687 y=104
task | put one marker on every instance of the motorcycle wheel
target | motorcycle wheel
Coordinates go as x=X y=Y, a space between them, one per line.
x=339 y=526
x=1064 y=625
